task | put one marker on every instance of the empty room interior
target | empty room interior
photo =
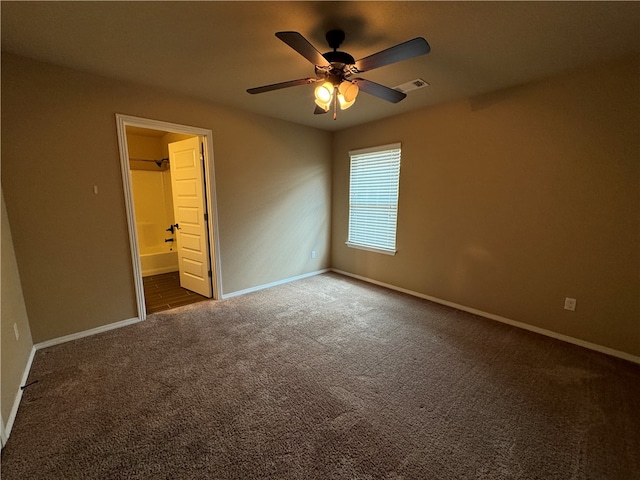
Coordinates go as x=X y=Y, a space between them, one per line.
x=195 y=286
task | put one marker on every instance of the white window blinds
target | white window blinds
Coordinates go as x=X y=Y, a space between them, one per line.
x=373 y=198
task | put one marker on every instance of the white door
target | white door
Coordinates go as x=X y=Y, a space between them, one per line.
x=189 y=208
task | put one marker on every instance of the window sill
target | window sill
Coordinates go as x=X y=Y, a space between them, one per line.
x=371 y=249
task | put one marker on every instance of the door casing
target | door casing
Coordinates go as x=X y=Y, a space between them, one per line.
x=124 y=121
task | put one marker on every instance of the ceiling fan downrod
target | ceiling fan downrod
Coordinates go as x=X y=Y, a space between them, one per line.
x=337 y=59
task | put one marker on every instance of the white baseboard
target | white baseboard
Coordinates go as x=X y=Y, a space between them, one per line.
x=93 y=331
x=273 y=284
x=18 y=398
x=49 y=343
x=498 y=318
x=86 y=333
x=67 y=338
x=4 y=433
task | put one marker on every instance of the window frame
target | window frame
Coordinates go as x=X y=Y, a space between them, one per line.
x=394 y=184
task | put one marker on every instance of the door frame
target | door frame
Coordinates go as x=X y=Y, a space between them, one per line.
x=3 y=433
x=124 y=121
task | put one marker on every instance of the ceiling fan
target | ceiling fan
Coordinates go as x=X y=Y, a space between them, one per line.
x=336 y=71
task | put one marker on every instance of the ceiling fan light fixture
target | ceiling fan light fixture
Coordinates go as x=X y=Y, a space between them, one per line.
x=349 y=91
x=324 y=93
x=323 y=105
x=343 y=102
x=334 y=85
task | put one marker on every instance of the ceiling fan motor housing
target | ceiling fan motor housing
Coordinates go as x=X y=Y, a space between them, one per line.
x=337 y=59
x=338 y=68
x=341 y=58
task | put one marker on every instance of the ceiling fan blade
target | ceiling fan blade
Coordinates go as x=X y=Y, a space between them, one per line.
x=377 y=90
x=303 y=47
x=404 y=51
x=278 y=86
x=319 y=110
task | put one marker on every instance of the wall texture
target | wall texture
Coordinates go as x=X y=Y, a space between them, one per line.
x=508 y=202
x=513 y=201
x=14 y=353
x=59 y=140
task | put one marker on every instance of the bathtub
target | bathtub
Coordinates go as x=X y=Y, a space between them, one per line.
x=158 y=260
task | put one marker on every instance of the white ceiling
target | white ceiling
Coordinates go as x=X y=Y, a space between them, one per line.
x=216 y=50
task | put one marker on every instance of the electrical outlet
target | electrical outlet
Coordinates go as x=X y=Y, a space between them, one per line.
x=570 y=304
x=313 y=254
x=15 y=331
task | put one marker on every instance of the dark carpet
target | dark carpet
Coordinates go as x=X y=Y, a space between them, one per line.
x=325 y=378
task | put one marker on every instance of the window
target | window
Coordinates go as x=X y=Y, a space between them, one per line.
x=373 y=198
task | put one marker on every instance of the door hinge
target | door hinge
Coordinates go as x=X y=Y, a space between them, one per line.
x=206 y=217
x=210 y=274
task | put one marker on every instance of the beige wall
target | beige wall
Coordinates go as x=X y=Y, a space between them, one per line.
x=59 y=140
x=14 y=353
x=511 y=202
x=508 y=203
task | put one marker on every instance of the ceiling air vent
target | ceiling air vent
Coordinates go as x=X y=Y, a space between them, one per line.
x=412 y=85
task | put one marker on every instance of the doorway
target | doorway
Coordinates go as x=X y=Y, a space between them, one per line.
x=156 y=248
